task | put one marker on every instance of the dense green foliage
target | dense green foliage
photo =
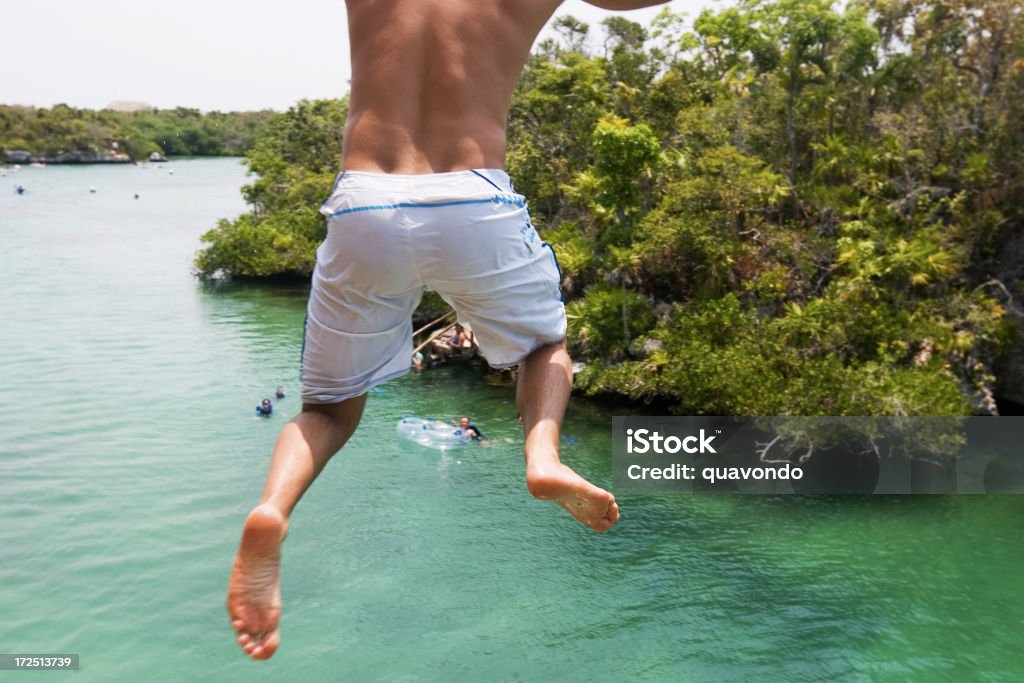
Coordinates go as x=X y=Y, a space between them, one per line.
x=786 y=208
x=171 y=132
x=295 y=163
x=829 y=194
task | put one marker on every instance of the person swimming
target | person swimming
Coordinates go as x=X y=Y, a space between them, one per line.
x=279 y=392
x=471 y=428
x=265 y=409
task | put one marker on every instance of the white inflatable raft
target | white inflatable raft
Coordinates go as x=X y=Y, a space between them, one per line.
x=436 y=434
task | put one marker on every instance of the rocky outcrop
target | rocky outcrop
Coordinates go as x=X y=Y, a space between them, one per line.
x=1010 y=369
x=20 y=156
x=17 y=156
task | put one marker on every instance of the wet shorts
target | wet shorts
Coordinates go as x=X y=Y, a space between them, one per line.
x=465 y=234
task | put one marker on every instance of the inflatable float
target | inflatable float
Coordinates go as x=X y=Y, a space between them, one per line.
x=436 y=434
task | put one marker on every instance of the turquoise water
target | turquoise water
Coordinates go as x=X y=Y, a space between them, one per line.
x=129 y=456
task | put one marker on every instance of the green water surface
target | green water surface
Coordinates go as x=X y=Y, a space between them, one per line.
x=129 y=455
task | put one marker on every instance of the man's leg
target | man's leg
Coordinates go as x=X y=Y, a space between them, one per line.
x=303 y=448
x=542 y=395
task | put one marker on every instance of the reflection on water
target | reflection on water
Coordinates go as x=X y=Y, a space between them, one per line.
x=266 y=309
x=130 y=455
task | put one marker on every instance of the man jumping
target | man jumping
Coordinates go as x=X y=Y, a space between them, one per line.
x=421 y=201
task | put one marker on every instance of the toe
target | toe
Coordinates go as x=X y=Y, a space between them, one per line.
x=270 y=644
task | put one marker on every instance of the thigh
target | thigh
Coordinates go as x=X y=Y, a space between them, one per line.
x=358 y=325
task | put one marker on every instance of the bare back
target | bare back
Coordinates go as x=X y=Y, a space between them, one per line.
x=432 y=80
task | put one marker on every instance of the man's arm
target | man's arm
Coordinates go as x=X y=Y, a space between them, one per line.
x=622 y=5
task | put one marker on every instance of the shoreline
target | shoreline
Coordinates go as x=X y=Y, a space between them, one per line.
x=23 y=158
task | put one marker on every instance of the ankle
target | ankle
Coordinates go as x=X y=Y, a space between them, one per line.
x=542 y=459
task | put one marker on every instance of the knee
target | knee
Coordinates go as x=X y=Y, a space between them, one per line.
x=555 y=351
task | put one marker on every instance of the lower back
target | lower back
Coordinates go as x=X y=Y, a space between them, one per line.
x=431 y=81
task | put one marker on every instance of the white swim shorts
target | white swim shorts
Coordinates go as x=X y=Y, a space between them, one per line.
x=465 y=234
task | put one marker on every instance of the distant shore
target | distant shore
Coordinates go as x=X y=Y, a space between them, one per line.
x=66 y=135
x=17 y=156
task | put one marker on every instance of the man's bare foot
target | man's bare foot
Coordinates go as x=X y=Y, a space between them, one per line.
x=254 y=593
x=591 y=505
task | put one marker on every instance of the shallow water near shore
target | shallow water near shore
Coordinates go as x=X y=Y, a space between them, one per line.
x=130 y=454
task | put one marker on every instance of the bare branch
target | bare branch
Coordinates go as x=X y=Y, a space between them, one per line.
x=1011 y=304
x=762 y=453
